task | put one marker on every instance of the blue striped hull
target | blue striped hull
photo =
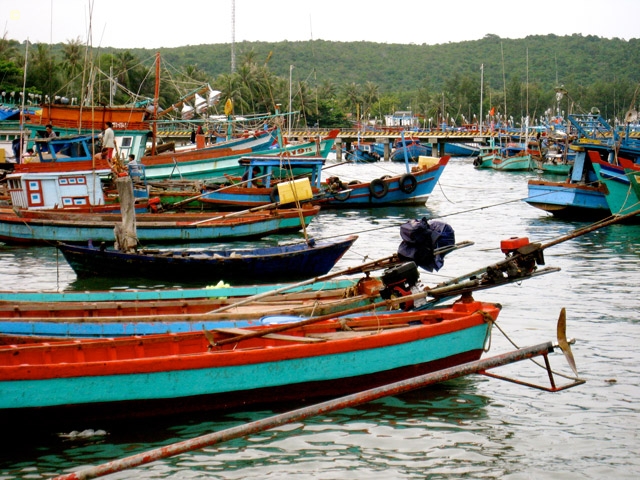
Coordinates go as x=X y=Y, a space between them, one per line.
x=117 y=396
x=43 y=232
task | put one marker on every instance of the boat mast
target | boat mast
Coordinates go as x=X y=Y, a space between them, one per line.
x=481 y=92
x=155 y=105
x=504 y=83
x=22 y=107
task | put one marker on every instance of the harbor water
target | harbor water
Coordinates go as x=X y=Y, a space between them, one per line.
x=472 y=427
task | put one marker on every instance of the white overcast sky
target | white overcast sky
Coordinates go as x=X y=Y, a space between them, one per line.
x=173 y=23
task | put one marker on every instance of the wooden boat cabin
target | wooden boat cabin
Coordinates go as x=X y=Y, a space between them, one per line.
x=272 y=170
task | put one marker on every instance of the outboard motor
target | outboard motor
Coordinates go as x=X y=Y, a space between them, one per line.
x=420 y=240
x=400 y=281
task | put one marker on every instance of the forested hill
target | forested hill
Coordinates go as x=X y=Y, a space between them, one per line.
x=545 y=61
x=334 y=83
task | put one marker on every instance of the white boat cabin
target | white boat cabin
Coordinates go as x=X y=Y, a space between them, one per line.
x=55 y=189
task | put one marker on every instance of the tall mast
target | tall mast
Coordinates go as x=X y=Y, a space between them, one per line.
x=233 y=36
x=481 y=92
x=155 y=104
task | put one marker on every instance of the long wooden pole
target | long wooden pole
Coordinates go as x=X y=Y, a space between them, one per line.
x=308 y=412
x=365 y=267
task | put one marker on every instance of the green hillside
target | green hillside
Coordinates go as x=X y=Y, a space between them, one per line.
x=336 y=81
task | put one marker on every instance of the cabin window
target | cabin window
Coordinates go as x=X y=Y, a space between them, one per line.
x=72 y=181
x=126 y=142
x=75 y=201
x=34 y=192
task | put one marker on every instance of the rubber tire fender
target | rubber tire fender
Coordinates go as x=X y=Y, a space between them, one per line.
x=342 y=196
x=378 y=188
x=408 y=183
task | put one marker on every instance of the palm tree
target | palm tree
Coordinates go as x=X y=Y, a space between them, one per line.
x=352 y=95
x=370 y=96
x=232 y=89
x=72 y=66
x=42 y=70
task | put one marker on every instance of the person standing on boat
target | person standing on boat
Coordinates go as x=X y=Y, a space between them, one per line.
x=109 y=140
x=49 y=131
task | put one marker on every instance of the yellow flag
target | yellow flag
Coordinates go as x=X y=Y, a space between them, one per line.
x=228 y=107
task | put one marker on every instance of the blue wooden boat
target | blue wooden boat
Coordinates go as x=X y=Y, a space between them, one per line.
x=409 y=148
x=580 y=197
x=262 y=177
x=458 y=149
x=43 y=227
x=136 y=298
x=75 y=384
x=289 y=262
x=363 y=153
x=410 y=188
x=149 y=313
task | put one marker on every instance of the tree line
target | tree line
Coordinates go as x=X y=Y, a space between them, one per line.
x=338 y=84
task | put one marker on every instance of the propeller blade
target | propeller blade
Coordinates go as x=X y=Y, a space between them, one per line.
x=209 y=336
x=562 y=340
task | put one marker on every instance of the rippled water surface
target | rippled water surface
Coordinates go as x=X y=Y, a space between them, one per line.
x=473 y=427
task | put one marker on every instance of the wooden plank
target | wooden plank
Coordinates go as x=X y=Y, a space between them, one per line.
x=273 y=336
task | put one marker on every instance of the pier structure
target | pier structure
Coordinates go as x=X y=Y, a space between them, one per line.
x=437 y=139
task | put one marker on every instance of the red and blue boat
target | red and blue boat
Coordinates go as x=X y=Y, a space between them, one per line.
x=75 y=384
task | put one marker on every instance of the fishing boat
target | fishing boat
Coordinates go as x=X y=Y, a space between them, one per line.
x=109 y=380
x=514 y=158
x=214 y=164
x=46 y=226
x=288 y=262
x=486 y=155
x=67 y=154
x=457 y=149
x=556 y=156
x=265 y=180
x=580 y=197
x=179 y=310
x=620 y=195
x=53 y=315
x=364 y=153
x=410 y=188
x=632 y=171
x=63 y=158
x=267 y=187
x=408 y=148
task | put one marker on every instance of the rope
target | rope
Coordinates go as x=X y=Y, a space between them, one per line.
x=532 y=359
x=486 y=344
